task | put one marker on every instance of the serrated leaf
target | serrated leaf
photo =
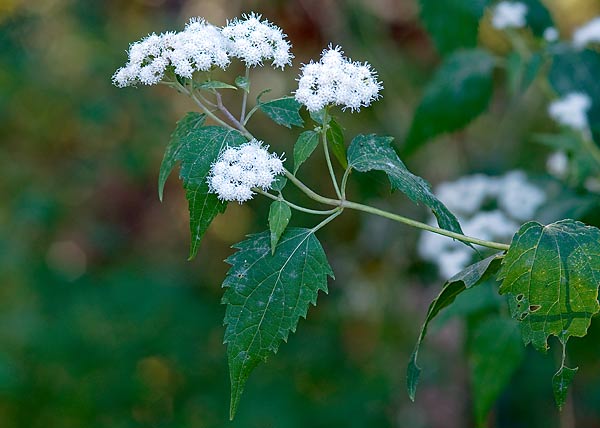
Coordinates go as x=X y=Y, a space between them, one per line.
x=470 y=277
x=283 y=111
x=199 y=150
x=452 y=24
x=370 y=152
x=214 y=84
x=266 y=295
x=305 y=145
x=190 y=122
x=459 y=92
x=560 y=384
x=552 y=274
x=279 y=217
x=495 y=353
x=335 y=137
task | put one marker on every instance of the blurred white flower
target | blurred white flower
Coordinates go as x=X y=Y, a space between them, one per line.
x=587 y=33
x=335 y=79
x=519 y=198
x=508 y=14
x=238 y=169
x=571 y=110
x=557 y=164
x=254 y=41
x=551 y=34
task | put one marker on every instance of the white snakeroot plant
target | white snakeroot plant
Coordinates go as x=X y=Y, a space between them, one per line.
x=587 y=33
x=547 y=272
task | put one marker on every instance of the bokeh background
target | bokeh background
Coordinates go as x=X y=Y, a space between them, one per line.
x=103 y=322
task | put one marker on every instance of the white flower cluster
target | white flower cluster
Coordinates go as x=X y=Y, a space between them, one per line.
x=238 y=169
x=254 y=41
x=508 y=14
x=337 y=80
x=202 y=46
x=571 y=110
x=487 y=207
x=587 y=33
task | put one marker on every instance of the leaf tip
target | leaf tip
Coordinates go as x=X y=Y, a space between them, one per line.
x=413 y=372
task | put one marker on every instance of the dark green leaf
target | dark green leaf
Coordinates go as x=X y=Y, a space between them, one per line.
x=214 y=84
x=495 y=352
x=452 y=24
x=198 y=151
x=279 y=217
x=551 y=274
x=473 y=275
x=459 y=92
x=560 y=384
x=242 y=83
x=335 y=138
x=370 y=152
x=190 y=122
x=306 y=144
x=279 y=183
x=318 y=116
x=283 y=111
x=266 y=295
x=538 y=17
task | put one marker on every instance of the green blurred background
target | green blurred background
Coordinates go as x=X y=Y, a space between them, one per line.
x=103 y=322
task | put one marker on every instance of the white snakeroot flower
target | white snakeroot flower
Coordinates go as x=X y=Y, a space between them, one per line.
x=557 y=164
x=238 y=169
x=508 y=14
x=519 y=198
x=254 y=41
x=571 y=110
x=587 y=33
x=335 y=79
x=551 y=34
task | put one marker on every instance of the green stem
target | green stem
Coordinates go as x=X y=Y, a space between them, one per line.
x=292 y=205
x=199 y=103
x=231 y=118
x=309 y=192
x=590 y=146
x=345 y=181
x=328 y=158
x=245 y=97
x=337 y=212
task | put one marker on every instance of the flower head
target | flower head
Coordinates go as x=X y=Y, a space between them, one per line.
x=238 y=169
x=508 y=14
x=337 y=80
x=587 y=33
x=571 y=110
x=254 y=41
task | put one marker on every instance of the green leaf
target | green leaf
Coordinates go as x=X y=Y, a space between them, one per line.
x=452 y=24
x=214 y=84
x=279 y=217
x=471 y=276
x=266 y=295
x=459 y=92
x=538 y=17
x=319 y=115
x=370 y=152
x=200 y=148
x=522 y=72
x=279 y=183
x=335 y=138
x=551 y=274
x=242 y=83
x=190 y=122
x=283 y=111
x=560 y=384
x=306 y=144
x=495 y=353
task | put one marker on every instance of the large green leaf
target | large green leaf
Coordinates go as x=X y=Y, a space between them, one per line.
x=452 y=24
x=305 y=145
x=459 y=92
x=552 y=274
x=495 y=353
x=266 y=295
x=190 y=122
x=370 y=152
x=283 y=111
x=471 y=276
x=199 y=149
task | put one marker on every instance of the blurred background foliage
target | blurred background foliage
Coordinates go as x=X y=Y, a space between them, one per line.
x=103 y=322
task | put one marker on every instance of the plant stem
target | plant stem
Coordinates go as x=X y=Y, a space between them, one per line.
x=205 y=109
x=231 y=118
x=590 y=146
x=337 y=212
x=328 y=158
x=245 y=97
x=292 y=205
x=309 y=192
x=345 y=181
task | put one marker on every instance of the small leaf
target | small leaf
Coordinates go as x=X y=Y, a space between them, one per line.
x=335 y=137
x=319 y=115
x=242 y=83
x=471 y=276
x=283 y=111
x=279 y=217
x=266 y=295
x=560 y=384
x=452 y=24
x=521 y=72
x=551 y=274
x=214 y=84
x=190 y=122
x=370 y=152
x=279 y=183
x=459 y=92
x=306 y=144
x=495 y=354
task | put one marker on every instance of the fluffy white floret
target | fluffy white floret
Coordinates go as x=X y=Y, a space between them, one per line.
x=551 y=34
x=254 y=41
x=571 y=110
x=337 y=80
x=557 y=164
x=238 y=169
x=587 y=33
x=508 y=14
